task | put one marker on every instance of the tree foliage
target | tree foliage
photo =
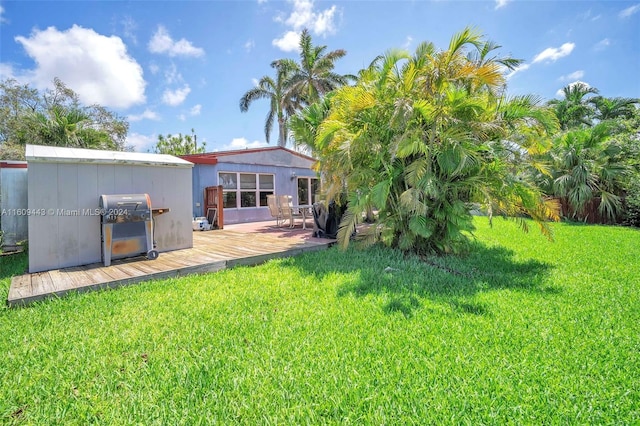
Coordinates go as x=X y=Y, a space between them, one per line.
x=179 y=144
x=594 y=159
x=574 y=110
x=421 y=137
x=297 y=84
x=282 y=101
x=588 y=166
x=314 y=75
x=54 y=117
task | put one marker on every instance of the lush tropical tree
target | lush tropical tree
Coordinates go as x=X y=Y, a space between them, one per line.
x=574 y=110
x=283 y=102
x=305 y=124
x=54 y=117
x=315 y=76
x=179 y=144
x=593 y=156
x=420 y=138
x=590 y=168
x=613 y=108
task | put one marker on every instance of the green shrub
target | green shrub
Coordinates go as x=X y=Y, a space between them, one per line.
x=632 y=205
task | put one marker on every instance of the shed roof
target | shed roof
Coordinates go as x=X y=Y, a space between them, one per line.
x=56 y=154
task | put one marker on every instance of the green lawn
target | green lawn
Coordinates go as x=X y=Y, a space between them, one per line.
x=521 y=331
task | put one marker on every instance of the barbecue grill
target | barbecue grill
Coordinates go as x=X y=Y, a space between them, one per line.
x=127 y=227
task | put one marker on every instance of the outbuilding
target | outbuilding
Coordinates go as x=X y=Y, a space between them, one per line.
x=64 y=189
x=13 y=203
x=245 y=178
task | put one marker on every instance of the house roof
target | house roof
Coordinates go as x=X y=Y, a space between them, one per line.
x=13 y=164
x=241 y=155
x=48 y=154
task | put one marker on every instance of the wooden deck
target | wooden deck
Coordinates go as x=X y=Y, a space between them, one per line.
x=212 y=251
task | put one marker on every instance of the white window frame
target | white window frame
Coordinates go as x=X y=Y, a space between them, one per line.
x=310 y=192
x=238 y=190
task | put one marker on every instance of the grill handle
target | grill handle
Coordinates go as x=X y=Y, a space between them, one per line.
x=126 y=203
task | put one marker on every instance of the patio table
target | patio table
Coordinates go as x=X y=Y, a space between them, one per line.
x=305 y=210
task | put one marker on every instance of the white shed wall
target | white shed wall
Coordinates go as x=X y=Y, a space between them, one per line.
x=58 y=239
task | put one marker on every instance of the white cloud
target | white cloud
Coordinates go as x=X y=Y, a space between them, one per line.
x=576 y=75
x=602 y=44
x=255 y=81
x=243 y=143
x=154 y=69
x=182 y=117
x=517 y=69
x=161 y=42
x=586 y=16
x=249 y=45
x=129 y=27
x=2 y=18
x=560 y=92
x=172 y=75
x=96 y=67
x=302 y=16
x=552 y=54
x=408 y=42
x=146 y=115
x=324 y=22
x=629 y=11
x=262 y=1
x=196 y=110
x=176 y=97
x=141 y=143
x=6 y=72
x=501 y=3
x=289 y=42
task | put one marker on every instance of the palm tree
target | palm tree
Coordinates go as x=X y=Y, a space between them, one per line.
x=315 y=76
x=283 y=103
x=611 y=108
x=305 y=124
x=421 y=137
x=61 y=127
x=590 y=168
x=72 y=127
x=574 y=110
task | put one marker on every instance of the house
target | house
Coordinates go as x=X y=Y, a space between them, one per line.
x=247 y=176
x=64 y=190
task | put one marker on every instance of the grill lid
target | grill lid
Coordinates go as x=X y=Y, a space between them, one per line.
x=122 y=208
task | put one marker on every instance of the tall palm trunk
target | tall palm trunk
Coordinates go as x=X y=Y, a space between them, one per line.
x=282 y=128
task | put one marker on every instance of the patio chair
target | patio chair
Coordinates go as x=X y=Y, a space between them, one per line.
x=287 y=210
x=274 y=209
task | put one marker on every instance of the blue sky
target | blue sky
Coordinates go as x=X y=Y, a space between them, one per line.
x=170 y=66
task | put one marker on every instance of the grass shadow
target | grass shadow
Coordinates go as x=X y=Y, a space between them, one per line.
x=451 y=280
x=13 y=264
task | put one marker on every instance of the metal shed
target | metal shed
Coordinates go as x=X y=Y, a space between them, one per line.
x=13 y=202
x=64 y=188
x=247 y=176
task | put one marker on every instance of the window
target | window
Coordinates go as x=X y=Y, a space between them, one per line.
x=266 y=187
x=241 y=190
x=308 y=189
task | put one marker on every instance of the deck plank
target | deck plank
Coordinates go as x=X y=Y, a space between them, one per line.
x=212 y=251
